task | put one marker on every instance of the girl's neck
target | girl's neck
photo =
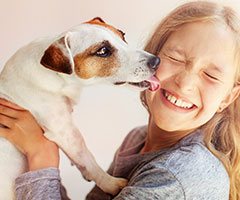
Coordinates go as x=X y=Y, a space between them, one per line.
x=158 y=139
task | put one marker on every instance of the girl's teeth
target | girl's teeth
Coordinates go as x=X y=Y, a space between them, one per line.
x=173 y=99
x=177 y=102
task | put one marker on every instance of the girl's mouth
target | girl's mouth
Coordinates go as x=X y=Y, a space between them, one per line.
x=178 y=102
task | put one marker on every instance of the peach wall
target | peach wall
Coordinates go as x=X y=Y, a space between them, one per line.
x=105 y=114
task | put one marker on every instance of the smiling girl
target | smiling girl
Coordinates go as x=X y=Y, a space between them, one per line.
x=190 y=148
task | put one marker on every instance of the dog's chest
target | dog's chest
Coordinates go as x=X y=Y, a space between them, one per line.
x=12 y=162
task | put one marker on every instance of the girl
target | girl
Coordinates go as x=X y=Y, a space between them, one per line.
x=190 y=147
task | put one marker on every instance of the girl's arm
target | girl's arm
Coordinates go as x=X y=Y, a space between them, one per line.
x=20 y=128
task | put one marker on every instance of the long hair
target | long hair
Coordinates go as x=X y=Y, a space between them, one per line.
x=222 y=132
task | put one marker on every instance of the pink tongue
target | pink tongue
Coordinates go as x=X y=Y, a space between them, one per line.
x=154 y=83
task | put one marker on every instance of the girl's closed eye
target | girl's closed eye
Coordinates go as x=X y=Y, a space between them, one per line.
x=214 y=74
x=174 y=58
x=211 y=76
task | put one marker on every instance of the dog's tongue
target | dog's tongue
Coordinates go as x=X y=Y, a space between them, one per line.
x=154 y=83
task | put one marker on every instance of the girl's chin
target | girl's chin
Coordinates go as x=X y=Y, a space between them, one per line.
x=172 y=126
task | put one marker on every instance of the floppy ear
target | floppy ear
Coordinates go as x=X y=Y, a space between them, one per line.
x=98 y=20
x=58 y=56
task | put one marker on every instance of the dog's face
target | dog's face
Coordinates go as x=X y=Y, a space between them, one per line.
x=97 y=51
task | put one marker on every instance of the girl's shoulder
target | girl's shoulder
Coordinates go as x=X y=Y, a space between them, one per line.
x=194 y=159
x=194 y=166
x=188 y=167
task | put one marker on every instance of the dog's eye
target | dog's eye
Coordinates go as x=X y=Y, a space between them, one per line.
x=103 y=52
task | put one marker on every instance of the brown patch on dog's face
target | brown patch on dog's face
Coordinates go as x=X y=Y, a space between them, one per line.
x=99 y=21
x=98 y=60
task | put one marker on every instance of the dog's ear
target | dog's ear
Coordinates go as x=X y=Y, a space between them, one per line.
x=97 y=20
x=58 y=56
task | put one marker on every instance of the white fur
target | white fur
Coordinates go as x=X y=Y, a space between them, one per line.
x=49 y=96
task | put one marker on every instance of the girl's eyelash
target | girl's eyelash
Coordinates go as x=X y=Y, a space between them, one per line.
x=174 y=59
x=210 y=76
x=181 y=61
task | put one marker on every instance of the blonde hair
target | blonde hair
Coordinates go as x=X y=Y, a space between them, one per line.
x=222 y=132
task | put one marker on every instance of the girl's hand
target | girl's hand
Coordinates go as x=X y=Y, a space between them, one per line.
x=22 y=130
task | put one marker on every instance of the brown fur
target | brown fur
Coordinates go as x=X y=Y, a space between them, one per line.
x=87 y=65
x=99 y=21
x=54 y=59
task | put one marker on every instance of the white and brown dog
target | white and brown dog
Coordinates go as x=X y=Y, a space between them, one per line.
x=46 y=77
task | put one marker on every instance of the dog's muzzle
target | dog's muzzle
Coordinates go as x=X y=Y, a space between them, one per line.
x=153 y=63
x=152 y=83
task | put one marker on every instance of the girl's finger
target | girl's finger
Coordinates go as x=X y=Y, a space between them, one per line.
x=10 y=104
x=10 y=112
x=7 y=122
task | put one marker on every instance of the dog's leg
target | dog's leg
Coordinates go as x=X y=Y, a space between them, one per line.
x=74 y=147
x=62 y=131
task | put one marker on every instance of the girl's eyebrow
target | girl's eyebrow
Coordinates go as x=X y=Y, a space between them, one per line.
x=177 y=50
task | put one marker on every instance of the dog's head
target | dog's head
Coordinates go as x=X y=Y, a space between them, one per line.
x=98 y=51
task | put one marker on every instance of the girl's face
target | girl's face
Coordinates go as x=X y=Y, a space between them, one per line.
x=197 y=76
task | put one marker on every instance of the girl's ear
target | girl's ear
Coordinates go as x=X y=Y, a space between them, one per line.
x=234 y=94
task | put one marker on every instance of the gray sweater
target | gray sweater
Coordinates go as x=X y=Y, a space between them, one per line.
x=186 y=171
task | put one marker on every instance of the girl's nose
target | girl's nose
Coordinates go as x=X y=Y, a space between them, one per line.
x=186 y=81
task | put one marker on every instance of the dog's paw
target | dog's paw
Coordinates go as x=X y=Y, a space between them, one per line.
x=121 y=183
x=114 y=185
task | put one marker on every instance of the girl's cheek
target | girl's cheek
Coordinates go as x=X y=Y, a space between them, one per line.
x=166 y=70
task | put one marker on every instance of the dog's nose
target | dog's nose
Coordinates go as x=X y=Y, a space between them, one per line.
x=153 y=62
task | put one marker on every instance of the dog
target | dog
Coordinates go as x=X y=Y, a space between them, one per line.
x=46 y=77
